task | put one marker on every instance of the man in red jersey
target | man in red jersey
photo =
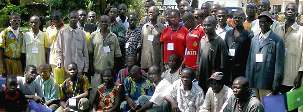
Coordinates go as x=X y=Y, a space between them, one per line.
x=172 y=38
x=196 y=32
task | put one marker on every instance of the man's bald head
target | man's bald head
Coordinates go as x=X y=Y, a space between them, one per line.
x=242 y=81
x=211 y=20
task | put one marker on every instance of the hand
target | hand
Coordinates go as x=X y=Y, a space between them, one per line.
x=37 y=98
x=298 y=80
x=175 y=109
x=131 y=104
x=66 y=109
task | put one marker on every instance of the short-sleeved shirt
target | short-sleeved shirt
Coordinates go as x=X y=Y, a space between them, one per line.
x=192 y=47
x=151 y=48
x=71 y=88
x=135 y=89
x=160 y=92
x=29 y=89
x=133 y=41
x=173 y=42
x=50 y=89
x=34 y=48
x=11 y=42
x=187 y=101
x=105 y=49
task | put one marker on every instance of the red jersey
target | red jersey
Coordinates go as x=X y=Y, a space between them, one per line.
x=173 y=42
x=192 y=47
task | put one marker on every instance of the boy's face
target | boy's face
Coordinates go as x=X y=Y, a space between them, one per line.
x=72 y=70
x=30 y=75
x=11 y=85
x=186 y=79
x=172 y=62
x=45 y=73
x=107 y=77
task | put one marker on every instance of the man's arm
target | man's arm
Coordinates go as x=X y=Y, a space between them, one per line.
x=173 y=103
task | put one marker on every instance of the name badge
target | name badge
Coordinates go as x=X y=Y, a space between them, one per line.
x=127 y=45
x=170 y=46
x=232 y=52
x=106 y=49
x=35 y=50
x=72 y=102
x=150 y=37
x=259 y=58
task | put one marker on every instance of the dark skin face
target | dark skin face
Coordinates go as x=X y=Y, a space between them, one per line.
x=122 y=9
x=147 y=5
x=205 y=8
x=156 y=77
x=238 y=20
x=131 y=61
x=152 y=13
x=11 y=85
x=30 y=75
x=107 y=77
x=198 y=15
x=214 y=9
x=104 y=23
x=182 y=6
x=186 y=78
x=44 y=72
x=132 y=19
x=189 y=22
x=172 y=63
x=216 y=85
x=209 y=25
x=174 y=18
x=251 y=11
x=34 y=23
x=15 y=21
x=113 y=13
x=291 y=12
x=263 y=6
x=72 y=70
x=91 y=17
x=239 y=89
x=264 y=24
x=73 y=20
x=82 y=16
x=134 y=74
x=221 y=16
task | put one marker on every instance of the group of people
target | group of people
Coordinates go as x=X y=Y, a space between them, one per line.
x=193 y=60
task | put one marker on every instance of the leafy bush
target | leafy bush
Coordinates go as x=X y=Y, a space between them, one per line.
x=7 y=10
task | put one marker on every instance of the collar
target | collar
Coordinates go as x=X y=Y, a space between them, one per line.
x=32 y=33
x=71 y=29
x=294 y=26
x=10 y=28
x=265 y=36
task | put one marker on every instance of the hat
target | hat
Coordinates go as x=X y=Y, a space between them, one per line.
x=265 y=14
x=216 y=76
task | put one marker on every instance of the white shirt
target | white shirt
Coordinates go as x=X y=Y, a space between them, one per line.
x=160 y=91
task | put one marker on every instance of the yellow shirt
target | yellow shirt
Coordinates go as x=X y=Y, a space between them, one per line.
x=34 y=48
x=11 y=43
x=52 y=37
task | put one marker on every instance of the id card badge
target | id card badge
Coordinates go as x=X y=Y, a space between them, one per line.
x=72 y=102
x=150 y=37
x=126 y=45
x=170 y=46
x=232 y=52
x=106 y=49
x=35 y=50
x=259 y=58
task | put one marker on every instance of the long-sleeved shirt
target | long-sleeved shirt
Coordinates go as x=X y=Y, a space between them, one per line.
x=71 y=47
x=214 y=102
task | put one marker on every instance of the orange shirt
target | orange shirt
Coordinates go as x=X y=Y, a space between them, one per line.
x=173 y=42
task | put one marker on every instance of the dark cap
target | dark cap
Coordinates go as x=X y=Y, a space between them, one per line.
x=265 y=14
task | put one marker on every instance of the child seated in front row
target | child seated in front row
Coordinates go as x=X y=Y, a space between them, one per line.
x=12 y=99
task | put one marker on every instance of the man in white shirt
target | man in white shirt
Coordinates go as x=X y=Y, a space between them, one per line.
x=185 y=95
x=217 y=94
x=157 y=102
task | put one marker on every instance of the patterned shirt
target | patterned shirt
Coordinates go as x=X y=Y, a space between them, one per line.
x=135 y=89
x=107 y=97
x=120 y=31
x=188 y=101
x=11 y=42
x=171 y=77
x=71 y=89
x=133 y=41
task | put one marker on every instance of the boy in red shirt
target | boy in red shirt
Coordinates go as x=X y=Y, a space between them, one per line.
x=173 y=37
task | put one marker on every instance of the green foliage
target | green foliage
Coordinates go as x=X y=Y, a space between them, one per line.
x=10 y=8
x=136 y=6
